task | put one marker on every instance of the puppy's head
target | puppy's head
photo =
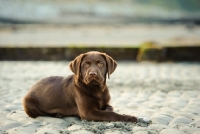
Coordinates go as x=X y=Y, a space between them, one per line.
x=92 y=67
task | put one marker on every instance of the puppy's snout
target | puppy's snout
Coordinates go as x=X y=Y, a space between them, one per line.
x=92 y=73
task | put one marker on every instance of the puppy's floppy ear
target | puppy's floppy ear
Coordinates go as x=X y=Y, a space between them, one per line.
x=111 y=64
x=75 y=65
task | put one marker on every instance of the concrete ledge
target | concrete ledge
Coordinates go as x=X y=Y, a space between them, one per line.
x=49 y=53
x=186 y=53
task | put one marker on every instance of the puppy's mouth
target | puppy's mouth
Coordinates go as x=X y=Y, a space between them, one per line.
x=92 y=81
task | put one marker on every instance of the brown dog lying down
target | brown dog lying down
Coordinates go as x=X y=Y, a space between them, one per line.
x=84 y=94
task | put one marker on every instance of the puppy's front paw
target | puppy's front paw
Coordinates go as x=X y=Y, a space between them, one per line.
x=129 y=118
x=109 y=108
x=58 y=115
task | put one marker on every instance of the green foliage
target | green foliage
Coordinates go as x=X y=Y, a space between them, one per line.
x=185 y=5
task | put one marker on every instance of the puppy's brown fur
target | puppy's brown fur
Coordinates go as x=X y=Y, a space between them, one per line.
x=82 y=94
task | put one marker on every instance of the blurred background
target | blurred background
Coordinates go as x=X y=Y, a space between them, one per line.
x=138 y=30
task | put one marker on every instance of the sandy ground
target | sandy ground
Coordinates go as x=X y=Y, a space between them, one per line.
x=168 y=94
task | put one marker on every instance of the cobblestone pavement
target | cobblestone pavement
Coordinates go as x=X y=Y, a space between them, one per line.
x=167 y=93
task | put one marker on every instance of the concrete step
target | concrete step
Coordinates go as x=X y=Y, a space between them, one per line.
x=123 y=42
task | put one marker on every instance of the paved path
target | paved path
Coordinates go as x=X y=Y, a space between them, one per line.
x=168 y=94
x=98 y=35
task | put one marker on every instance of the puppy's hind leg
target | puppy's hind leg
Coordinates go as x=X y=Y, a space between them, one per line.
x=31 y=107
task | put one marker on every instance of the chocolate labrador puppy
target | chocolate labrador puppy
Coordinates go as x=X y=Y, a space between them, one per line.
x=84 y=94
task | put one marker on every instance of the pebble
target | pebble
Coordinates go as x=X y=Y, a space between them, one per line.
x=141 y=132
x=115 y=132
x=74 y=127
x=46 y=131
x=24 y=129
x=196 y=123
x=169 y=110
x=188 y=129
x=110 y=125
x=191 y=109
x=171 y=131
x=190 y=116
x=20 y=116
x=10 y=126
x=161 y=119
x=157 y=127
x=139 y=128
x=82 y=132
x=180 y=120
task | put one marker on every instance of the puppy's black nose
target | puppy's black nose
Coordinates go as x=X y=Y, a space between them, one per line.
x=92 y=74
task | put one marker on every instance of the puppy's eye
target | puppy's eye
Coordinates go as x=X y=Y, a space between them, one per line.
x=100 y=64
x=86 y=64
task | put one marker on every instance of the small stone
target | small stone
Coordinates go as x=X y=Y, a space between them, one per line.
x=171 y=131
x=196 y=123
x=180 y=120
x=114 y=132
x=161 y=119
x=82 y=132
x=141 y=132
x=74 y=127
x=110 y=125
x=138 y=128
x=188 y=129
x=157 y=127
